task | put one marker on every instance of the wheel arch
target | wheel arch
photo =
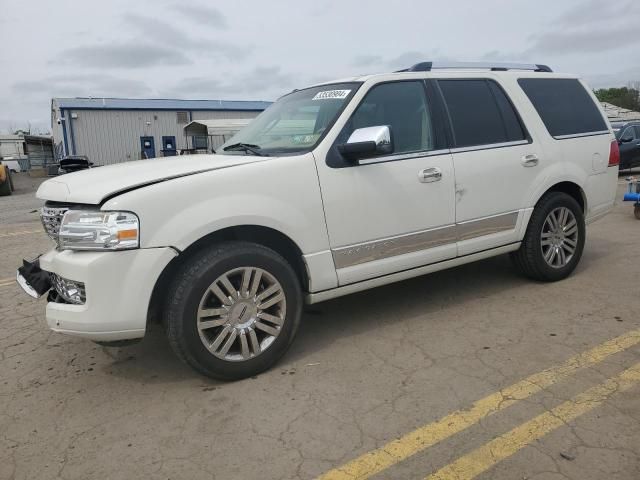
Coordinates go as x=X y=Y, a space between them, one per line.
x=569 y=187
x=266 y=236
x=573 y=190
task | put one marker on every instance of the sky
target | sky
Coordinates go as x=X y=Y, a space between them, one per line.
x=257 y=50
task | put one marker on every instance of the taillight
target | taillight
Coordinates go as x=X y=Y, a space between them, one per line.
x=614 y=154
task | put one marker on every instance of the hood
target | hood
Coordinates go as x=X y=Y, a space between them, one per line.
x=92 y=186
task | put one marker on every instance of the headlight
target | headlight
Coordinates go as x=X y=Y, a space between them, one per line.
x=96 y=230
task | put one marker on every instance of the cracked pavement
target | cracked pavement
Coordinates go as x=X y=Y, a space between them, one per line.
x=365 y=369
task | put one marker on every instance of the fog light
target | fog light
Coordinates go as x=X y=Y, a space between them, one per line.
x=69 y=290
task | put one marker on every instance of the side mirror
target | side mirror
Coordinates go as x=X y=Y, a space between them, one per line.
x=626 y=139
x=368 y=142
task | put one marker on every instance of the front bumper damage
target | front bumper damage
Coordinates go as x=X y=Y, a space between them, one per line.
x=115 y=293
x=33 y=280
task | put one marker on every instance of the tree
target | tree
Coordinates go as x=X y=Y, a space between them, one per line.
x=624 y=97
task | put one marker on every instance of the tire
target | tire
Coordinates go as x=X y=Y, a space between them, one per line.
x=530 y=258
x=193 y=294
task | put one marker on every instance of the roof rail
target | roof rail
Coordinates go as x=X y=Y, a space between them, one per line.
x=496 y=67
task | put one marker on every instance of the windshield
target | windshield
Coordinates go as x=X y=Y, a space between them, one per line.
x=295 y=123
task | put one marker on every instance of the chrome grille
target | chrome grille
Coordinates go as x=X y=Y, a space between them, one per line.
x=51 y=219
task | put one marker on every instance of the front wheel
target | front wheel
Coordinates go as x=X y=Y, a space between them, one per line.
x=554 y=241
x=233 y=310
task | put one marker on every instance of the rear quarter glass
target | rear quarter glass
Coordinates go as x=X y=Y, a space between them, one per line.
x=564 y=106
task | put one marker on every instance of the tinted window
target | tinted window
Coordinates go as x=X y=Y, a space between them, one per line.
x=629 y=132
x=564 y=106
x=637 y=128
x=402 y=106
x=480 y=112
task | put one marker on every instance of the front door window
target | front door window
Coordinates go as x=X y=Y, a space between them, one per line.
x=403 y=107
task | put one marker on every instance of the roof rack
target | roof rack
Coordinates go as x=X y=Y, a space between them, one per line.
x=496 y=67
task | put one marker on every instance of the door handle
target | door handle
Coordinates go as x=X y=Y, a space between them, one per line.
x=428 y=175
x=529 y=160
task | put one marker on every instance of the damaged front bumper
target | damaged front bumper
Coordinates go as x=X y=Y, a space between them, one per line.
x=113 y=290
x=33 y=280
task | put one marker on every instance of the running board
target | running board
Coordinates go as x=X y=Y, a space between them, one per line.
x=311 y=298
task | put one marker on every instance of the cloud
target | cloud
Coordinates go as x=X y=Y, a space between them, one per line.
x=171 y=37
x=406 y=59
x=399 y=62
x=165 y=33
x=598 y=12
x=259 y=83
x=614 y=79
x=590 y=27
x=83 y=85
x=204 y=15
x=227 y=51
x=124 y=55
x=366 y=60
x=563 y=42
x=500 y=56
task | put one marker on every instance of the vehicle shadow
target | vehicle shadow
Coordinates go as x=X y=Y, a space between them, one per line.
x=428 y=295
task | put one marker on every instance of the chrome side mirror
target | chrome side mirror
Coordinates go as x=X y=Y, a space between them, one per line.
x=368 y=142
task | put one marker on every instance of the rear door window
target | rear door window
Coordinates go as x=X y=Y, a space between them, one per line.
x=564 y=106
x=480 y=113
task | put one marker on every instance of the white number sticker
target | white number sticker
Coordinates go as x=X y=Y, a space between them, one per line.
x=331 y=94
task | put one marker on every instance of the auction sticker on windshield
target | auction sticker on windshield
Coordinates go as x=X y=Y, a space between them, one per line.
x=331 y=94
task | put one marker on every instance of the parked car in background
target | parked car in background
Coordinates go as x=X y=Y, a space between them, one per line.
x=628 y=135
x=336 y=188
x=73 y=163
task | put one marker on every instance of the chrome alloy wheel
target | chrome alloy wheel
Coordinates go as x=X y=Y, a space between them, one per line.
x=559 y=238
x=241 y=314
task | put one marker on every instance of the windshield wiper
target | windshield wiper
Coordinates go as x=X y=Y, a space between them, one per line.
x=246 y=147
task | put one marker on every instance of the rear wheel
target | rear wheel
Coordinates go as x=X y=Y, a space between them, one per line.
x=233 y=310
x=554 y=241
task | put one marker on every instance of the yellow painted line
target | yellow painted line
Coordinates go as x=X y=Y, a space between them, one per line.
x=23 y=232
x=482 y=459
x=375 y=461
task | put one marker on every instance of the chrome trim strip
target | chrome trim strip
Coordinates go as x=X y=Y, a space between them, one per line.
x=489 y=146
x=486 y=226
x=407 y=156
x=578 y=135
x=392 y=246
x=405 y=274
x=402 y=156
x=412 y=242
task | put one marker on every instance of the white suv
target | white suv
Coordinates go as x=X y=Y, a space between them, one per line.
x=335 y=188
